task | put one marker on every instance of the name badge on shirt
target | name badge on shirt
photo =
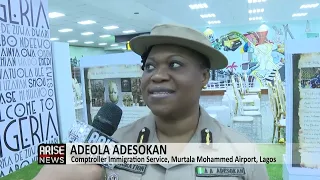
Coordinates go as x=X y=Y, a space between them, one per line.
x=135 y=168
x=206 y=171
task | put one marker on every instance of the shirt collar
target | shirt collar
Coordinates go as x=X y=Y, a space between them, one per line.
x=205 y=122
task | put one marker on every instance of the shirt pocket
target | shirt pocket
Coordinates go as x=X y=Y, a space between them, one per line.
x=118 y=174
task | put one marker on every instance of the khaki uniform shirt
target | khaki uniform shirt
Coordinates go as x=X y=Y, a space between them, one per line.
x=220 y=134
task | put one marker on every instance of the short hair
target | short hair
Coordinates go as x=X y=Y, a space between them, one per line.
x=144 y=57
x=204 y=61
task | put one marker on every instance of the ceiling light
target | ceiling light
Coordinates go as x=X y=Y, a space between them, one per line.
x=72 y=41
x=308 y=6
x=102 y=44
x=255 y=18
x=299 y=14
x=129 y=31
x=198 y=6
x=207 y=15
x=214 y=22
x=89 y=42
x=105 y=36
x=54 y=39
x=253 y=11
x=55 y=15
x=256 y=1
x=87 y=33
x=113 y=45
x=86 y=22
x=110 y=27
x=65 y=30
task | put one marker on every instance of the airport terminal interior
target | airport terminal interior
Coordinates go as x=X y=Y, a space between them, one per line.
x=269 y=91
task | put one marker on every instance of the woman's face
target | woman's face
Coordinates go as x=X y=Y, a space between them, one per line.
x=172 y=80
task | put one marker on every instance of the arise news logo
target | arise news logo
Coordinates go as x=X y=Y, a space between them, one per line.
x=52 y=154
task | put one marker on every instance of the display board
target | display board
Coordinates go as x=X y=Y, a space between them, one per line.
x=116 y=83
x=306 y=113
x=27 y=98
x=303 y=115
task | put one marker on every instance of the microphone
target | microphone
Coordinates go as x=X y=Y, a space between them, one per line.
x=104 y=124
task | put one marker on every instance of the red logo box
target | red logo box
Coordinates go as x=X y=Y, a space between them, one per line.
x=52 y=154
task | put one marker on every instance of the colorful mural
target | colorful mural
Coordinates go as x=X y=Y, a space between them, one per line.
x=259 y=54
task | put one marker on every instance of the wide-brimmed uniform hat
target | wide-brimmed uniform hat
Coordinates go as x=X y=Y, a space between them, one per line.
x=182 y=36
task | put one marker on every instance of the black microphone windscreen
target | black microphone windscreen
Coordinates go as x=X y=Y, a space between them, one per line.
x=107 y=118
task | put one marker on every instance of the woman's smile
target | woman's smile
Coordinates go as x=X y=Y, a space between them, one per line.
x=161 y=92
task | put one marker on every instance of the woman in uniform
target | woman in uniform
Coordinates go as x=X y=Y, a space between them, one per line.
x=176 y=61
